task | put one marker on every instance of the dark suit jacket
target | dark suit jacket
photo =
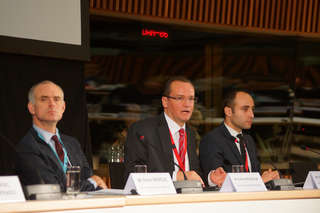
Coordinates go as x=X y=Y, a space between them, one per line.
x=218 y=149
x=36 y=162
x=148 y=142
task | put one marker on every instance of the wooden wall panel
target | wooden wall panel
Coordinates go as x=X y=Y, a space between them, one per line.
x=295 y=17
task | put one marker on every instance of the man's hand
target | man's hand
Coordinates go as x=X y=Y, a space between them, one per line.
x=217 y=176
x=191 y=175
x=99 y=181
x=270 y=175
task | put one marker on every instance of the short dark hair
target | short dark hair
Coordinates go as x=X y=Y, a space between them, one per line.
x=228 y=100
x=167 y=87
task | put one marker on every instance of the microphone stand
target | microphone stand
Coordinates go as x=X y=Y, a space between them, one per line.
x=8 y=156
x=309 y=149
x=184 y=186
x=187 y=186
x=41 y=191
x=184 y=174
x=288 y=137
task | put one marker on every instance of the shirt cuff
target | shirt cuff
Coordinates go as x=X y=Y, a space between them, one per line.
x=209 y=179
x=93 y=182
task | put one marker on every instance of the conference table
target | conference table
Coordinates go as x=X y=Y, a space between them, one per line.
x=307 y=201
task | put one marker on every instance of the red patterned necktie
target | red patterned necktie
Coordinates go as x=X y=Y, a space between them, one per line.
x=243 y=151
x=59 y=148
x=182 y=147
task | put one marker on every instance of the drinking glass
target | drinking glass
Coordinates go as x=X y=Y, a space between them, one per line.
x=73 y=179
x=140 y=168
x=237 y=168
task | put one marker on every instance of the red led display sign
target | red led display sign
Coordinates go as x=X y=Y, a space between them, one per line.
x=154 y=34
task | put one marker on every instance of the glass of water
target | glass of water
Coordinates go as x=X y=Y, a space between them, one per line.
x=140 y=168
x=237 y=168
x=73 y=179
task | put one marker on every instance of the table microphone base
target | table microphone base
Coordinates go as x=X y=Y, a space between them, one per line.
x=43 y=192
x=280 y=184
x=188 y=186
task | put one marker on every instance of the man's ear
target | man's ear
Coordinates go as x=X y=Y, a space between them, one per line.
x=227 y=111
x=31 y=108
x=164 y=101
x=64 y=106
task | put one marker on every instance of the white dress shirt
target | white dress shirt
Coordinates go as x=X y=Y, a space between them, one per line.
x=47 y=137
x=174 y=129
x=233 y=133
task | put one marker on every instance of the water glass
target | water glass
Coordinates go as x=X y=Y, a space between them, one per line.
x=237 y=168
x=140 y=168
x=73 y=179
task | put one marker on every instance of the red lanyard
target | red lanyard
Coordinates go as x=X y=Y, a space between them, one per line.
x=176 y=152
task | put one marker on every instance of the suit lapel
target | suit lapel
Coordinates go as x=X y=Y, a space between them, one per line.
x=165 y=141
x=231 y=143
x=46 y=148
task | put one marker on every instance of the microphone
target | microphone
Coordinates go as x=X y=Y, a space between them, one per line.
x=184 y=186
x=29 y=164
x=184 y=174
x=187 y=186
x=7 y=160
x=140 y=137
x=274 y=167
x=279 y=184
x=304 y=147
x=40 y=191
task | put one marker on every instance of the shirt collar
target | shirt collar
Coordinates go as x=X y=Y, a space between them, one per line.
x=46 y=136
x=173 y=126
x=232 y=132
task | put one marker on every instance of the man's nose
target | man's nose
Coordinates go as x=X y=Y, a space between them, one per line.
x=51 y=102
x=251 y=113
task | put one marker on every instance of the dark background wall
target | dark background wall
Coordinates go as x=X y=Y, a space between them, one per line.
x=17 y=74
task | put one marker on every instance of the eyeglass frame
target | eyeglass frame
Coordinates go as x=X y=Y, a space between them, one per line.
x=182 y=98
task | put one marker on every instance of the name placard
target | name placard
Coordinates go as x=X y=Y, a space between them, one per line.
x=243 y=182
x=150 y=184
x=10 y=189
x=312 y=181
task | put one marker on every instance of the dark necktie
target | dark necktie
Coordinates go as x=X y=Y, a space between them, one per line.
x=59 y=148
x=243 y=151
x=182 y=147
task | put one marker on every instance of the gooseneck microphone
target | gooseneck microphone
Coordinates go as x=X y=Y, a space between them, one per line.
x=177 y=165
x=27 y=162
x=184 y=174
x=41 y=191
x=184 y=186
x=274 y=166
x=304 y=147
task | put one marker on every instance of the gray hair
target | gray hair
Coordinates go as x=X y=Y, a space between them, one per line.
x=31 y=91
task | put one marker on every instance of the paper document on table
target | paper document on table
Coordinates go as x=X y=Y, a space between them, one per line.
x=110 y=192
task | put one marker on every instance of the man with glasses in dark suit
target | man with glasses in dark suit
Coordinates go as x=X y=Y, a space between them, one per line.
x=165 y=143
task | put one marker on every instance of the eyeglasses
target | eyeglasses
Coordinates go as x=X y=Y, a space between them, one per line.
x=183 y=98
